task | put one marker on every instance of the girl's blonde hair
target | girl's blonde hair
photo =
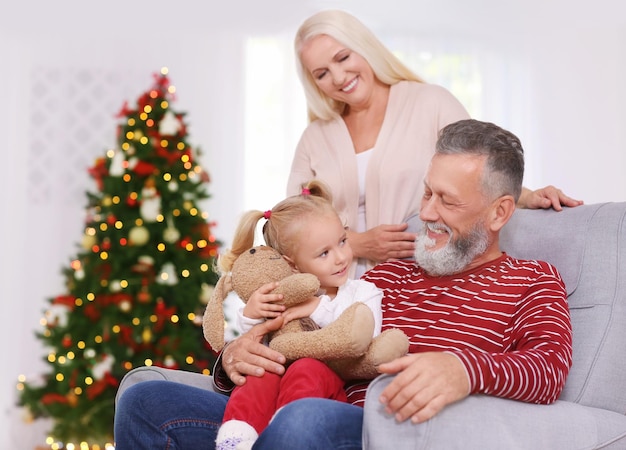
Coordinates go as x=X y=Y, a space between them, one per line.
x=350 y=32
x=283 y=222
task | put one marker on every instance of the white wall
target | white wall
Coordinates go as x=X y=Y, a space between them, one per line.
x=573 y=56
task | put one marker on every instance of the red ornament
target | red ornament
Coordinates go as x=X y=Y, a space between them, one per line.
x=184 y=242
x=124 y=110
x=98 y=172
x=91 y=312
x=67 y=300
x=131 y=201
x=171 y=156
x=163 y=314
x=47 y=399
x=144 y=296
x=99 y=386
x=143 y=168
x=66 y=341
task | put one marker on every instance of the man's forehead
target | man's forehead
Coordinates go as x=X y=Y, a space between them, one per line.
x=461 y=162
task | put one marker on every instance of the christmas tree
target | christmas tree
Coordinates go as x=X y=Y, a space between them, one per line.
x=137 y=288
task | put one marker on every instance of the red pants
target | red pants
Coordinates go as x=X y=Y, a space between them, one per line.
x=256 y=401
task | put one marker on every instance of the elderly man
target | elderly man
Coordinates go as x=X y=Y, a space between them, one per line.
x=478 y=320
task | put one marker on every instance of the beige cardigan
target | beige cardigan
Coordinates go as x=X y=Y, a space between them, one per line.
x=394 y=179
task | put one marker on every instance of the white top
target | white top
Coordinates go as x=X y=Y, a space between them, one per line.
x=329 y=310
x=362 y=160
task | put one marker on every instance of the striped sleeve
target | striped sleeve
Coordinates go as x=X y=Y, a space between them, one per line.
x=536 y=366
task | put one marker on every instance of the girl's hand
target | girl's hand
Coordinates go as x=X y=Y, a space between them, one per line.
x=304 y=309
x=262 y=304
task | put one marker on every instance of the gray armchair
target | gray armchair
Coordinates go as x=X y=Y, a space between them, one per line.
x=588 y=246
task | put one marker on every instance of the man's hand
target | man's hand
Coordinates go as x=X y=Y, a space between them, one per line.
x=547 y=197
x=425 y=383
x=246 y=355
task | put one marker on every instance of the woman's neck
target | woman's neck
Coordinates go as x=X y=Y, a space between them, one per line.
x=364 y=123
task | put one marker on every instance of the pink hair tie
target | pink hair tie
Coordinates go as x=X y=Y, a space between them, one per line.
x=306 y=191
x=267 y=214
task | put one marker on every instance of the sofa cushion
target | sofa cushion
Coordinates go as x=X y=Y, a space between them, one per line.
x=587 y=245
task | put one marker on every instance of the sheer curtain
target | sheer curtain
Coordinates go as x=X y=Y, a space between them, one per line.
x=275 y=116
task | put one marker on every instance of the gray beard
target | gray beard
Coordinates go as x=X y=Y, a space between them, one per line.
x=457 y=254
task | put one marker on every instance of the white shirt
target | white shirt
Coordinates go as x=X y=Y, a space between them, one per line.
x=329 y=309
x=362 y=160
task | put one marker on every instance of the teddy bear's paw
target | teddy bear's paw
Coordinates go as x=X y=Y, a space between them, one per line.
x=347 y=337
x=297 y=288
x=385 y=347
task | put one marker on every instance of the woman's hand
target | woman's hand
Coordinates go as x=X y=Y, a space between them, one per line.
x=383 y=242
x=546 y=197
x=262 y=303
x=246 y=355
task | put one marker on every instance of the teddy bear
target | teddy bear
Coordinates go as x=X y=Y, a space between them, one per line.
x=346 y=344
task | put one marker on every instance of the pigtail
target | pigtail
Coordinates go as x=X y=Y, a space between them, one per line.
x=243 y=240
x=318 y=189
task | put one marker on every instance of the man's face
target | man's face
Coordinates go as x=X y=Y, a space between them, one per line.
x=455 y=235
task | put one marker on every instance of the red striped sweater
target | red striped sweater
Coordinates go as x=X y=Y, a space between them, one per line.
x=507 y=321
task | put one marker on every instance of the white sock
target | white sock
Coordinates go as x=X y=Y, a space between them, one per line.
x=235 y=435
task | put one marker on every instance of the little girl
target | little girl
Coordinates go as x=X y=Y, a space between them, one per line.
x=309 y=234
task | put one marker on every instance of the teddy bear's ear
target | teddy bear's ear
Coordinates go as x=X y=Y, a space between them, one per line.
x=213 y=319
x=228 y=285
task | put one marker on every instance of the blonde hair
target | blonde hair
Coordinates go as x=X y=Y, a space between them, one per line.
x=283 y=222
x=350 y=32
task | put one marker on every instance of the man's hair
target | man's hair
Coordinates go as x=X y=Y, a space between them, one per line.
x=504 y=167
x=350 y=32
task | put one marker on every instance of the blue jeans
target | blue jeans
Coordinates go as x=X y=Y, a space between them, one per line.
x=156 y=415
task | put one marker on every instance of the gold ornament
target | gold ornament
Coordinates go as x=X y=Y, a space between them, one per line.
x=88 y=241
x=138 y=236
x=72 y=399
x=27 y=415
x=125 y=306
x=171 y=235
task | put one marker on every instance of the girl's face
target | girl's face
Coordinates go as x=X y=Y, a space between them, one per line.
x=340 y=73
x=323 y=251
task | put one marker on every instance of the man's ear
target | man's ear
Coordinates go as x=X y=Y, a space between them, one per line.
x=501 y=211
x=292 y=264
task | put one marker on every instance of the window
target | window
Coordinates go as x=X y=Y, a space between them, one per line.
x=274 y=119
